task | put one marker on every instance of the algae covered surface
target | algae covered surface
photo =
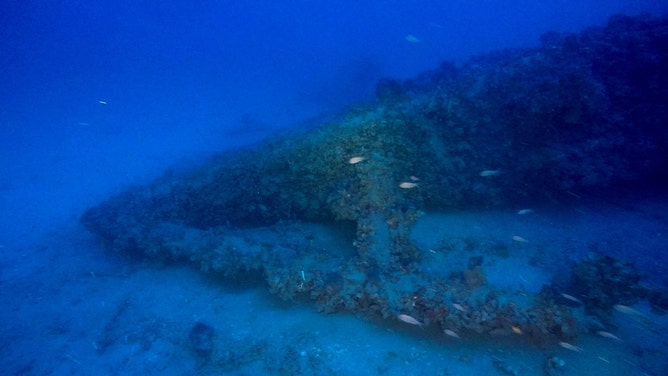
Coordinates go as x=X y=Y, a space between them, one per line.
x=327 y=216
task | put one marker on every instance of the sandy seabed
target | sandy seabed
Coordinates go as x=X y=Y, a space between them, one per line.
x=71 y=308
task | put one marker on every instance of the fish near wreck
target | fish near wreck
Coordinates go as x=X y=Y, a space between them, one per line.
x=407 y=185
x=570 y=347
x=605 y=334
x=409 y=320
x=519 y=239
x=451 y=333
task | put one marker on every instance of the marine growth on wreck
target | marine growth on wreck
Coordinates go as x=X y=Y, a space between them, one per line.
x=513 y=126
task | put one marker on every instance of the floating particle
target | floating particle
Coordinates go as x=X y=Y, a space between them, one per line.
x=408 y=185
x=414 y=178
x=355 y=160
x=524 y=211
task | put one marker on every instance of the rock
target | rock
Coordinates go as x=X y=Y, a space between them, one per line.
x=474 y=278
x=474 y=262
x=658 y=300
x=201 y=338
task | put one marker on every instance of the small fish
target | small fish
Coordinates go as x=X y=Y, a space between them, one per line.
x=414 y=178
x=605 y=334
x=524 y=211
x=451 y=333
x=355 y=160
x=571 y=298
x=487 y=173
x=568 y=346
x=412 y=38
x=520 y=239
x=626 y=309
x=102 y=102
x=459 y=307
x=408 y=185
x=516 y=329
x=409 y=319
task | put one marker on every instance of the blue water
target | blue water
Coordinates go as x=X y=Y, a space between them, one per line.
x=99 y=96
